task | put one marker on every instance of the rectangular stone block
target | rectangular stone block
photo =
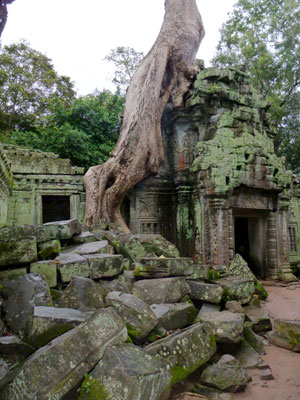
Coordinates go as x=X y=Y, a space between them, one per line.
x=104 y=265
x=70 y=265
x=65 y=229
x=185 y=351
x=47 y=269
x=18 y=252
x=156 y=267
x=11 y=274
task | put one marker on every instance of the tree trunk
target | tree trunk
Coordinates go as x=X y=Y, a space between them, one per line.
x=167 y=70
x=3 y=14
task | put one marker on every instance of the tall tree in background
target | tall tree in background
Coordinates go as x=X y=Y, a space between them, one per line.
x=3 y=13
x=28 y=85
x=167 y=70
x=126 y=61
x=264 y=35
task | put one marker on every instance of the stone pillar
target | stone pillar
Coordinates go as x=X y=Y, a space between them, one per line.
x=285 y=272
x=272 y=246
x=219 y=232
x=231 y=238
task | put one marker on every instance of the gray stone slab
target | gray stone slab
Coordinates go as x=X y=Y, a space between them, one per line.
x=208 y=292
x=49 y=322
x=156 y=267
x=136 y=314
x=227 y=326
x=185 y=351
x=64 y=229
x=101 y=246
x=104 y=265
x=127 y=372
x=163 y=290
x=174 y=316
x=70 y=265
x=17 y=252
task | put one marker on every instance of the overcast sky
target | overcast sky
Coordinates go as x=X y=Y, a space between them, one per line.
x=78 y=34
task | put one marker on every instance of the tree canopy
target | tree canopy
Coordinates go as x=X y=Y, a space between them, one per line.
x=39 y=109
x=28 y=86
x=126 y=61
x=264 y=36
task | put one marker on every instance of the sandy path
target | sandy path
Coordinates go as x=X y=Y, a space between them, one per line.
x=283 y=302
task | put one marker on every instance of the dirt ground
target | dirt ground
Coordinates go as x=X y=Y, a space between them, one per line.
x=283 y=302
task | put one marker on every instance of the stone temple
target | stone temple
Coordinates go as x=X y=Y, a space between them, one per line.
x=222 y=189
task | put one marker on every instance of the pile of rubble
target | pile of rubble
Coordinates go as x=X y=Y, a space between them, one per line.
x=100 y=315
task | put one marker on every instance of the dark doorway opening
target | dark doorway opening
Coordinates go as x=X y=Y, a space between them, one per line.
x=242 y=238
x=250 y=241
x=55 y=208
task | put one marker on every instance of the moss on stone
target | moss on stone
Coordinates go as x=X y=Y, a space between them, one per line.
x=92 y=389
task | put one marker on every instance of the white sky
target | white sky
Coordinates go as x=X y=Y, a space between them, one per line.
x=78 y=34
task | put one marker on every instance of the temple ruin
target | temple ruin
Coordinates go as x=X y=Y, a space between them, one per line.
x=221 y=190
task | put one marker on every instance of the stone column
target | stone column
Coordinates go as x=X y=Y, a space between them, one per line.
x=272 y=246
x=285 y=272
x=219 y=232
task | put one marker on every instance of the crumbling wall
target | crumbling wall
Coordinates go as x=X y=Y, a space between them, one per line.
x=37 y=174
x=6 y=183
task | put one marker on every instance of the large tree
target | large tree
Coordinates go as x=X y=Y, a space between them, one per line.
x=28 y=85
x=166 y=71
x=3 y=13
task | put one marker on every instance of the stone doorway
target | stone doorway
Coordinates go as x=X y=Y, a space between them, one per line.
x=55 y=208
x=250 y=237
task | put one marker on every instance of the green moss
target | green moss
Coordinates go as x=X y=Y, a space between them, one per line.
x=92 y=389
x=213 y=275
x=133 y=333
x=212 y=340
x=260 y=290
x=6 y=247
x=180 y=373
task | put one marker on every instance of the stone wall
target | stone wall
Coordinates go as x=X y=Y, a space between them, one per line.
x=43 y=184
x=6 y=183
x=294 y=224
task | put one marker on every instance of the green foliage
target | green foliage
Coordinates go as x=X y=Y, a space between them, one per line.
x=28 y=86
x=126 y=60
x=264 y=36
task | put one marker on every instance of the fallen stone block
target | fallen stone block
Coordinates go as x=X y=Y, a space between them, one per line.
x=227 y=327
x=84 y=237
x=70 y=265
x=47 y=269
x=174 y=316
x=49 y=322
x=14 y=349
x=208 y=292
x=20 y=296
x=155 y=267
x=127 y=372
x=157 y=245
x=136 y=314
x=11 y=274
x=226 y=375
x=81 y=294
x=18 y=252
x=8 y=233
x=49 y=250
x=247 y=356
x=210 y=393
x=236 y=288
x=63 y=229
x=101 y=247
x=286 y=334
x=55 y=369
x=104 y=265
x=259 y=319
x=185 y=351
x=162 y=290
x=256 y=341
